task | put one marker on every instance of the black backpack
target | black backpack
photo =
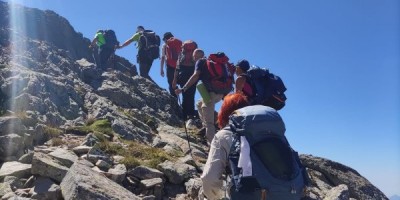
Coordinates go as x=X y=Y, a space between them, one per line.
x=149 y=45
x=268 y=88
x=111 y=38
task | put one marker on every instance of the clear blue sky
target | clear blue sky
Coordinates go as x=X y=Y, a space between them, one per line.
x=340 y=61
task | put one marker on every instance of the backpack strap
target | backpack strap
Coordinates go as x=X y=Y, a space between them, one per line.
x=213 y=71
x=233 y=159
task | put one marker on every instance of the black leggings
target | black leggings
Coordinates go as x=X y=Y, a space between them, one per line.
x=104 y=54
x=170 y=78
x=185 y=72
x=144 y=68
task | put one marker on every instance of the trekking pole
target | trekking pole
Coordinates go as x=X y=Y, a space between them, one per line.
x=184 y=124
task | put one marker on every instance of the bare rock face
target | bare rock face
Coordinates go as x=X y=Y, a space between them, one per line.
x=329 y=174
x=16 y=169
x=81 y=182
x=49 y=78
x=48 y=166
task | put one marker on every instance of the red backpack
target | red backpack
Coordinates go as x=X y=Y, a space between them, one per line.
x=220 y=73
x=186 y=57
x=174 y=48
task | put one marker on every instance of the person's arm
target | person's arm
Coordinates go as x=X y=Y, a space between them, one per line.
x=126 y=43
x=175 y=80
x=162 y=59
x=192 y=80
x=216 y=164
x=134 y=38
x=239 y=83
x=199 y=67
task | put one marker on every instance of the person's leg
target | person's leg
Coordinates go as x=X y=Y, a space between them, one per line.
x=199 y=106
x=170 y=78
x=208 y=115
x=188 y=96
x=144 y=68
x=188 y=101
x=96 y=57
x=100 y=58
x=105 y=54
x=147 y=68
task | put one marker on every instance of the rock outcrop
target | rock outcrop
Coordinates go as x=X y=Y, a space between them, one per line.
x=331 y=179
x=69 y=130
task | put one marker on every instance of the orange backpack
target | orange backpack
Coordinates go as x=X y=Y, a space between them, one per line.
x=173 y=49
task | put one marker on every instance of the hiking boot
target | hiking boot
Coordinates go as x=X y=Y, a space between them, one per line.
x=201 y=132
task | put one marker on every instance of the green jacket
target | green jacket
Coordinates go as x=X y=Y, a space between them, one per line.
x=100 y=39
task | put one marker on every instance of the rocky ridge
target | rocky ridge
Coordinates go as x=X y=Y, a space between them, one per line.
x=52 y=95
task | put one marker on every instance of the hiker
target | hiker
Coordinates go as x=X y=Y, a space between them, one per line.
x=184 y=70
x=171 y=49
x=106 y=42
x=217 y=160
x=252 y=145
x=217 y=86
x=148 y=49
x=242 y=83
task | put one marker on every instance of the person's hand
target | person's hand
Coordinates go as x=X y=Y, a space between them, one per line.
x=178 y=91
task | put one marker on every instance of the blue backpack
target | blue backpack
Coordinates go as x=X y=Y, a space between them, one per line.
x=276 y=172
x=268 y=89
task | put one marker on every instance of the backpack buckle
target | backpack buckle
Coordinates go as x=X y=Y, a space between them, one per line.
x=293 y=191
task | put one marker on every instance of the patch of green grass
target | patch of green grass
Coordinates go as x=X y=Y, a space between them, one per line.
x=101 y=137
x=102 y=126
x=51 y=132
x=130 y=162
x=79 y=130
x=147 y=155
x=101 y=129
x=136 y=154
x=111 y=148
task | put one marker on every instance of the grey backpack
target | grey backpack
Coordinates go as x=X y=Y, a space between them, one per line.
x=276 y=172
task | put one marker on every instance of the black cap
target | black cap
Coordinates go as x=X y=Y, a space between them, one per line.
x=139 y=27
x=167 y=35
x=243 y=64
